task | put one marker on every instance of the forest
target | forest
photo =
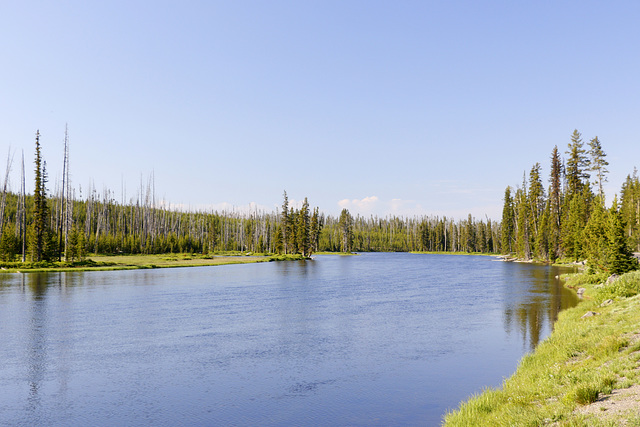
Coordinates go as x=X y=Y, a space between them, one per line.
x=56 y=226
x=570 y=220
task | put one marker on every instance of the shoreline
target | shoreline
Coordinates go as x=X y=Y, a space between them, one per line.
x=141 y=262
x=171 y=260
x=586 y=372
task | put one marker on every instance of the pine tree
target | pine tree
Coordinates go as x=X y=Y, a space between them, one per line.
x=472 y=239
x=285 y=222
x=278 y=244
x=575 y=219
x=577 y=165
x=630 y=209
x=508 y=222
x=315 y=228
x=542 y=237
x=292 y=231
x=620 y=258
x=40 y=213
x=596 y=241
x=598 y=165
x=555 y=205
x=303 y=229
x=81 y=246
x=523 y=248
x=8 y=245
x=536 y=198
x=346 y=230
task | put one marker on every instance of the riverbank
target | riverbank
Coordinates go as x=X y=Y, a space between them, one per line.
x=586 y=372
x=454 y=253
x=133 y=262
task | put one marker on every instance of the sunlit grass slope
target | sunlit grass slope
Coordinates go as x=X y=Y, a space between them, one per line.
x=123 y=262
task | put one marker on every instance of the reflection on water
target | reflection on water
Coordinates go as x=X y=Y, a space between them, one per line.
x=533 y=300
x=386 y=339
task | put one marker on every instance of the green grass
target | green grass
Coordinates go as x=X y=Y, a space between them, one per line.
x=126 y=262
x=581 y=360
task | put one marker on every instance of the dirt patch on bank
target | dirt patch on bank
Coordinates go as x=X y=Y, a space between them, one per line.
x=620 y=406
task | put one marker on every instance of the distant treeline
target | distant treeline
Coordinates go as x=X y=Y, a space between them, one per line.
x=100 y=224
x=567 y=221
x=40 y=226
x=570 y=219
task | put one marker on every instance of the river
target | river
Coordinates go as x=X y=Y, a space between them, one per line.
x=374 y=339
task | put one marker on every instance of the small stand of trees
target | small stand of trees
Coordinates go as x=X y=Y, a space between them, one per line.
x=570 y=220
x=297 y=232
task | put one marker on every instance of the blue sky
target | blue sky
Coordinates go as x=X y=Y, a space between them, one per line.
x=382 y=107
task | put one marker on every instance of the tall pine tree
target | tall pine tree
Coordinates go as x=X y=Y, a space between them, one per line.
x=508 y=223
x=577 y=165
x=598 y=165
x=555 y=205
x=40 y=209
x=620 y=258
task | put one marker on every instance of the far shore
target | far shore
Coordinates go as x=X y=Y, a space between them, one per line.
x=136 y=262
x=455 y=253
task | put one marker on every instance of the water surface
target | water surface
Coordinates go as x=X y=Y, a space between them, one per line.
x=374 y=339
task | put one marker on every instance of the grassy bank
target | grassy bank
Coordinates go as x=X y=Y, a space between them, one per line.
x=129 y=262
x=594 y=351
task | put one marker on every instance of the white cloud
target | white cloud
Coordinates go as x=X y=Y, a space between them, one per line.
x=366 y=205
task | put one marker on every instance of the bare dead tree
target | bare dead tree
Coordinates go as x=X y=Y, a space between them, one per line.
x=3 y=200
x=63 y=211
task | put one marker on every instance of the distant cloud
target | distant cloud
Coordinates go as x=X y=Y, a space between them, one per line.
x=366 y=205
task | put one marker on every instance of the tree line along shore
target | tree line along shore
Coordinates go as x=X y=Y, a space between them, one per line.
x=587 y=372
x=567 y=222
x=63 y=226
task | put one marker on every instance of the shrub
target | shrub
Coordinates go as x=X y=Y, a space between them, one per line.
x=584 y=394
x=625 y=286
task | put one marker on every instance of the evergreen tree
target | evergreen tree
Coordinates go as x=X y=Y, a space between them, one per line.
x=542 y=236
x=598 y=165
x=292 y=231
x=508 y=222
x=630 y=209
x=523 y=247
x=596 y=241
x=8 y=245
x=81 y=245
x=315 y=228
x=555 y=205
x=303 y=229
x=278 y=244
x=346 y=230
x=472 y=239
x=577 y=165
x=620 y=258
x=285 y=222
x=40 y=209
x=536 y=198
x=575 y=219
